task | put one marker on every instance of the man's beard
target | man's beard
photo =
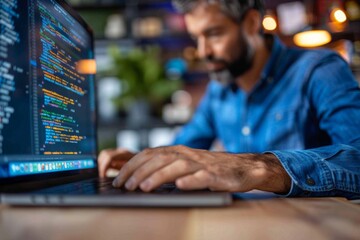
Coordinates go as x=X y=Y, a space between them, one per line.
x=237 y=67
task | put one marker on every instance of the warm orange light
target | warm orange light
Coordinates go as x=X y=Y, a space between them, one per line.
x=313 y=38
x=269 y=23
x=86 y=66
x=338 y=15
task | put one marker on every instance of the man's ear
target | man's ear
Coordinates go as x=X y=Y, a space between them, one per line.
x=252 y=22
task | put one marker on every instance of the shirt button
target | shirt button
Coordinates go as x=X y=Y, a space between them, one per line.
x=278 y=117
x=310 y=182
x=246 y=131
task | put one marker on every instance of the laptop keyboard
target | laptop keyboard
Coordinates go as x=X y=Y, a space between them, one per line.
x=101 y=186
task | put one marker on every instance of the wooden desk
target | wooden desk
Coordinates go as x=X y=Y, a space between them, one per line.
x=327 y=218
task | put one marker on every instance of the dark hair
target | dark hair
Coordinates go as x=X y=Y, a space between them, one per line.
x=235 y=9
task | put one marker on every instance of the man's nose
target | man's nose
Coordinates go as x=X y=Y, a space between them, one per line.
x=203 y=49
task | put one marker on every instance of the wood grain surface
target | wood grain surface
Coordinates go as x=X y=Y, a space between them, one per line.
x=324 y=218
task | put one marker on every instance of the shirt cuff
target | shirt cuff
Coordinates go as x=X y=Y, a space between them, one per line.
x=308 y=172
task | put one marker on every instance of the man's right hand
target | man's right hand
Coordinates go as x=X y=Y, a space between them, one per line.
x=113 y=158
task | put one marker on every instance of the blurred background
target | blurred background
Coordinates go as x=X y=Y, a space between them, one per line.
x=149 y=77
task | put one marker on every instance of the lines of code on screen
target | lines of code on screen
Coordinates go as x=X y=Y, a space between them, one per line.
x=46 y=106
x=14 y=83
x=64 y=123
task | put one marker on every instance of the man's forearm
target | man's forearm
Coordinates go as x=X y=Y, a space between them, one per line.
x=275 y=178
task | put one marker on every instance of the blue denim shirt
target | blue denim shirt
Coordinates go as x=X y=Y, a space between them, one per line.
x=305 y=110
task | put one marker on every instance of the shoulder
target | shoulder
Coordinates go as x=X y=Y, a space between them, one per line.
x=330 y=77
x=311 y=59
x=328 y=67
x=299 y=64
x=320 y=65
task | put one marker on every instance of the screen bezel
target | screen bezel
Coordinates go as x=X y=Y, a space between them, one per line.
x=86 y=173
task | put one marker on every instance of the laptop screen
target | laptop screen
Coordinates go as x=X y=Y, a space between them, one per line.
x=47 y=92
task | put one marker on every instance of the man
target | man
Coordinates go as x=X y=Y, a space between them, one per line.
x=296 y=111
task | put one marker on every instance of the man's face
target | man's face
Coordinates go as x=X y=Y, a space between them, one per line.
x=220 y=40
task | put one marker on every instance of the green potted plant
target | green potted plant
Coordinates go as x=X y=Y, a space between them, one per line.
x=145 y=86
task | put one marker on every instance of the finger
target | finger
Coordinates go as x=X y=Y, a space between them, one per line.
x=200 y=180
x=117 y=164
x=104 y=160
x=170 y=173
x=114 y=158
x=128 y=169
x=145 y=171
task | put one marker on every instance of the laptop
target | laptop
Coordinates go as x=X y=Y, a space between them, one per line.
x=48 y=114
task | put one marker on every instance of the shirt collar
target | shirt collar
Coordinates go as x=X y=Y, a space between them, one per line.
x=276 y=52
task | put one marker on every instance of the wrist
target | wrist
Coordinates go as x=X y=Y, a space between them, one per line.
x=274 y=178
